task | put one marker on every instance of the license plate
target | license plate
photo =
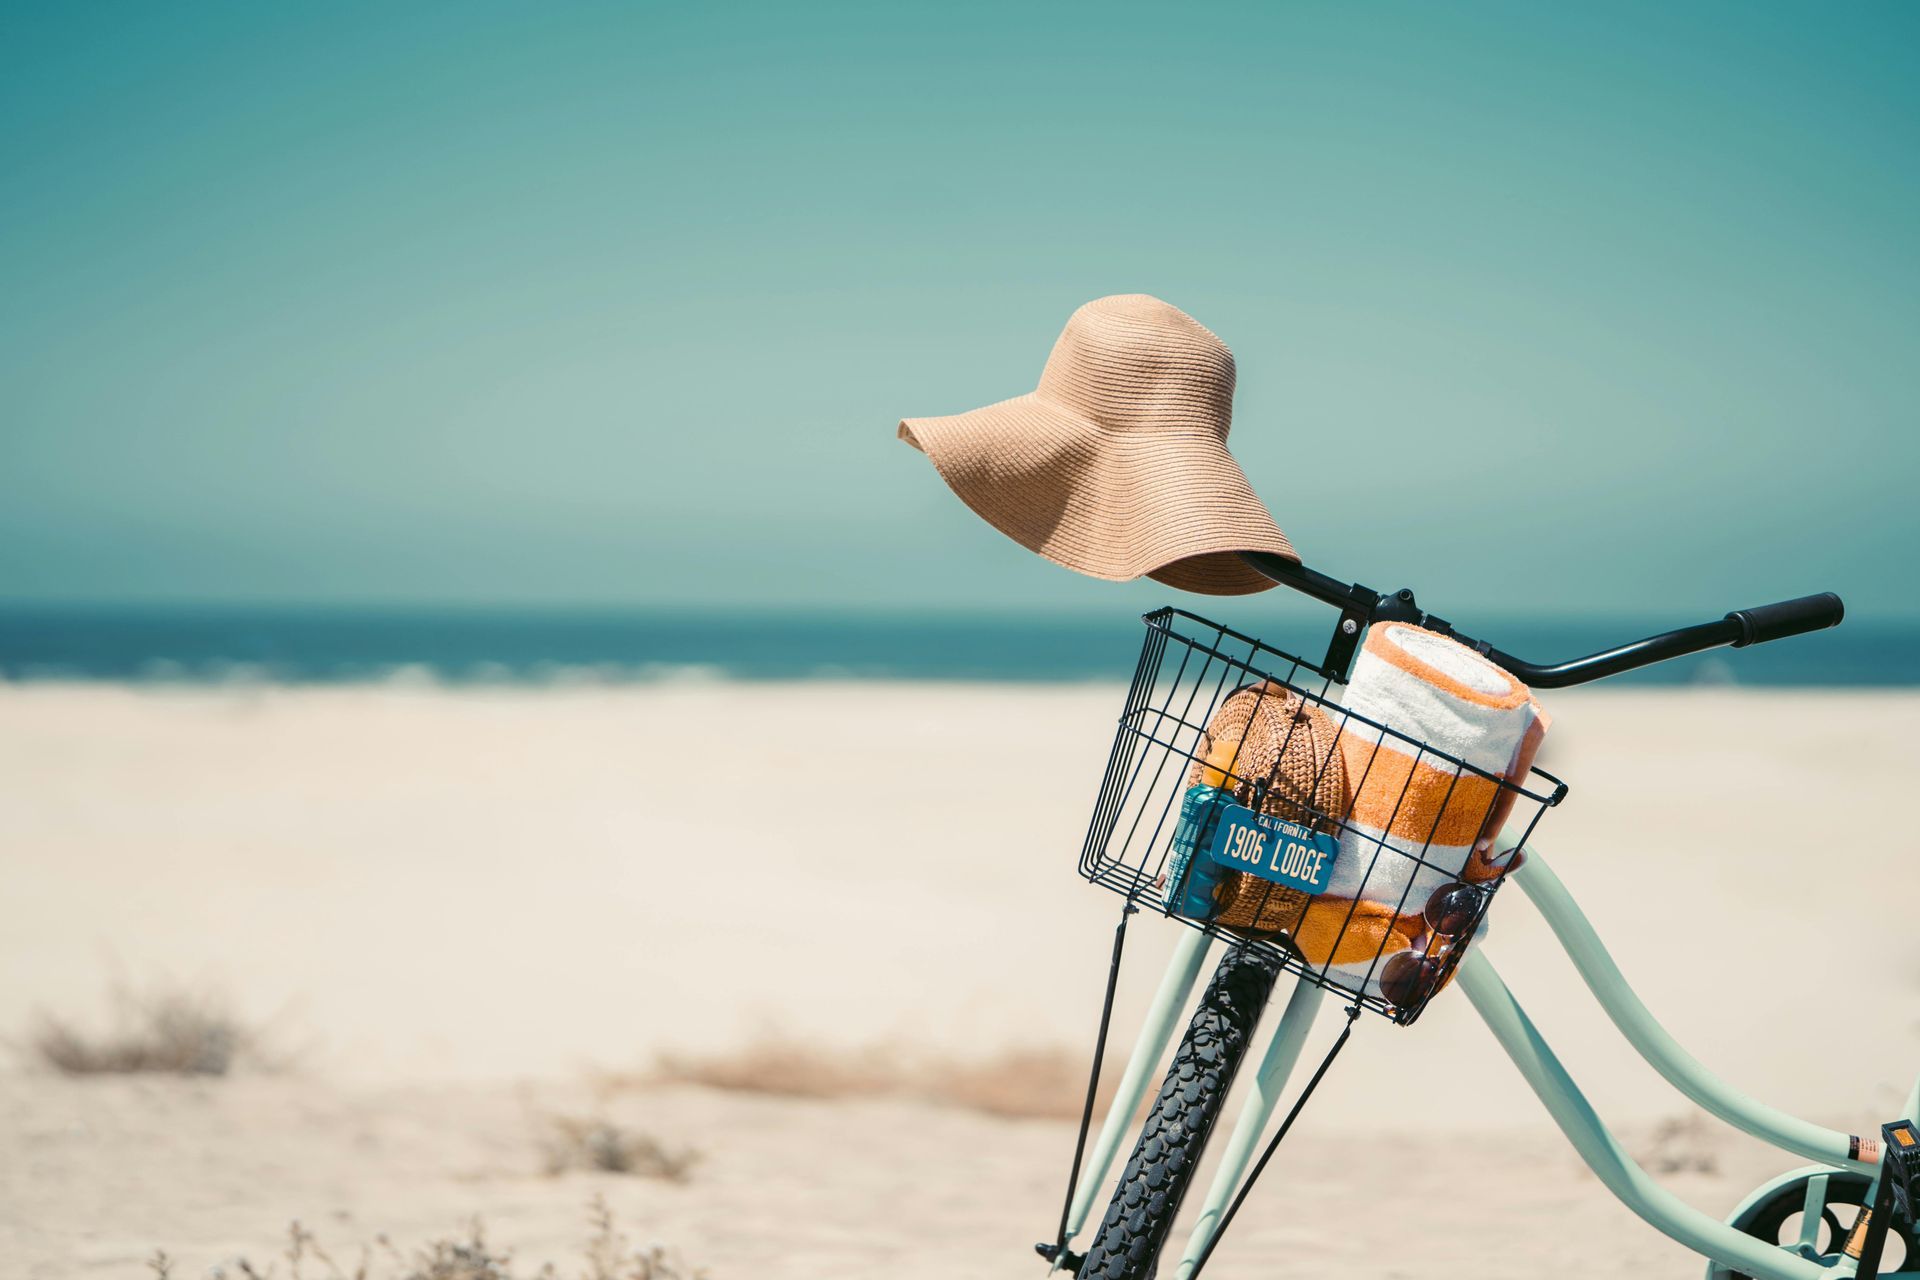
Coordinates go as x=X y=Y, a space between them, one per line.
x=1273 y=849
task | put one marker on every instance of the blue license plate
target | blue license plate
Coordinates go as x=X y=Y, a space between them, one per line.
x=1273 y=848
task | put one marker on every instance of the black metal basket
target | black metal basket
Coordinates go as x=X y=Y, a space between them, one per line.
x=1188 y=667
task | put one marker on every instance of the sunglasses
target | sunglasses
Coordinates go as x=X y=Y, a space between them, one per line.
x=1408 y=978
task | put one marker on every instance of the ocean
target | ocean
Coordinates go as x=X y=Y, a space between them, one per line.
x=481 y=646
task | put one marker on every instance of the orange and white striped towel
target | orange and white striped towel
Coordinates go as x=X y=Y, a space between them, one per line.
x=1418 y=820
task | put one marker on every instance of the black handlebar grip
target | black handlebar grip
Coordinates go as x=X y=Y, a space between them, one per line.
x=1788 y=618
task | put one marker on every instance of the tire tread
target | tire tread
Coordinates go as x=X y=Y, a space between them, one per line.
x=1161 y=1168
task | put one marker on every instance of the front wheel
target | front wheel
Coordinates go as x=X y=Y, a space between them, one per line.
x=1811 y=1214
x=1155 y=1181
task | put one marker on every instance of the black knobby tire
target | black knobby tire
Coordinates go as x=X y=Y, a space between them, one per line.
x=1128 y=1244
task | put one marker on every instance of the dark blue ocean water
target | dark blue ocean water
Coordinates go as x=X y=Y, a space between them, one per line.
x=333 y=645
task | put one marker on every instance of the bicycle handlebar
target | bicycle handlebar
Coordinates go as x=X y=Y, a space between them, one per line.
x=1361 y=606
x=1788 y=618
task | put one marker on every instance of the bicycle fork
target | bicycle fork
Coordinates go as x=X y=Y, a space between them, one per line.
x=1276 y=1065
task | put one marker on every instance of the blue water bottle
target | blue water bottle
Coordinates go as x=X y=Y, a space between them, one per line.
x=1191 y=874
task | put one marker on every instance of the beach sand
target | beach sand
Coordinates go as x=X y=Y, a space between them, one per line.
x=454 y=911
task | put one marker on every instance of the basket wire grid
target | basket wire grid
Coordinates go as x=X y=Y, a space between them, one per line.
x=1188 y=667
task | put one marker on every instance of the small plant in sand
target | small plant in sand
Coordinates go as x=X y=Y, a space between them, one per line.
x=606 y=1255
x=173 y=1032
x=599 y=1145
x=468 y=1258
x=610 y=1257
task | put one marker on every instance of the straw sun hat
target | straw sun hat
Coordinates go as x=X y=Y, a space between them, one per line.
x=1117 y=465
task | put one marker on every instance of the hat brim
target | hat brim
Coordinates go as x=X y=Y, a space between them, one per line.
x=1171 y=506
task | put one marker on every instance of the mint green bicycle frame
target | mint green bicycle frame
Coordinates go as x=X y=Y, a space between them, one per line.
x=1727 y=1249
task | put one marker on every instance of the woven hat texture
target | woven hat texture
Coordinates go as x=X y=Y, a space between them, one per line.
x=1275 y=752
x=1116 y=465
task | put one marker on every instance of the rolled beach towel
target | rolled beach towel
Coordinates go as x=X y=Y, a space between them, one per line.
x=1418 y=821
x=1277 y=752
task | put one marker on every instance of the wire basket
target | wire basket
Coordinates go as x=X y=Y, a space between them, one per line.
x=1388 y=945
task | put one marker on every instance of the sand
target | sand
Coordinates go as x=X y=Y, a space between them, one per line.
x=452 y=909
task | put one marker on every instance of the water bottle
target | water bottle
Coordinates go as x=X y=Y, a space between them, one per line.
x=1191 y=875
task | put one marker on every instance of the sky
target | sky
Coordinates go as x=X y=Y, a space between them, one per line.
x=1537 y=308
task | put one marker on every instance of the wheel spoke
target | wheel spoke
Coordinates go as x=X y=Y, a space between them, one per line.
x=1811 y=1211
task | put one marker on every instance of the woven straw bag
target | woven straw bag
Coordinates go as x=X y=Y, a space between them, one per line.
x=1276 y=753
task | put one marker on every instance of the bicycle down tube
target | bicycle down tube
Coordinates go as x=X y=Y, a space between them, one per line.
x=1651 y=1041
x=1629 y=1183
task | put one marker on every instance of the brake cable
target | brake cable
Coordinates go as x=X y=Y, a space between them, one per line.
x=1093 y=1078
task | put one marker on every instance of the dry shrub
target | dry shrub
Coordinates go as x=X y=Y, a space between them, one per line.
x=600 y=1145
x=1024 y=1083
x=610 y=1257
x=607 y=1255
x=778 y=1065
x=1679 y=1144
x=1019 y=1083
x=457 y=1258
x=170 y=1032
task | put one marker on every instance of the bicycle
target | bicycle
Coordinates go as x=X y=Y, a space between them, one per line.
x=1186 y=664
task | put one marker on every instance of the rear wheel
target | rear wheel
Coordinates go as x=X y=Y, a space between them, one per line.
x=1155 y=1181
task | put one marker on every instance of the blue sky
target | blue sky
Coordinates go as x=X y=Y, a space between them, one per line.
x=1566 y=308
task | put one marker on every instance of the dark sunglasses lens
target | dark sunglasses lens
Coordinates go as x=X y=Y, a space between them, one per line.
x=1451 y=909
x=1408 y=978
